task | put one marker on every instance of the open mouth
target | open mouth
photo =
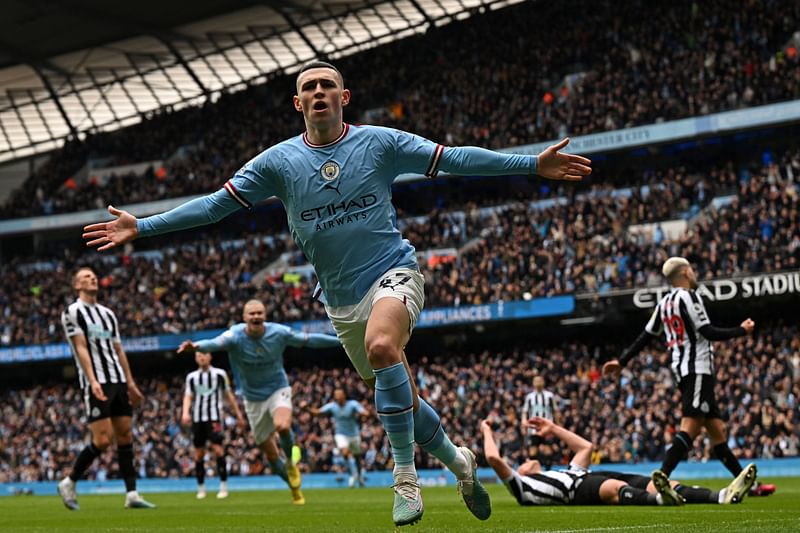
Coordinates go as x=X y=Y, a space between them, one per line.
x=320 y=106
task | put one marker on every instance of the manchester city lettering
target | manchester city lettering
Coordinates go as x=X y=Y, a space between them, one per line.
x=341 y=208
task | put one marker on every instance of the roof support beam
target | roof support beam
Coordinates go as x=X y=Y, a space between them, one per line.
x=56 y=100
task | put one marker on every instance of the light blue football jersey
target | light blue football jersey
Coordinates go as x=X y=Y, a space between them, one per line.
x=345 y=417
x=258 y=363
x=338 y=199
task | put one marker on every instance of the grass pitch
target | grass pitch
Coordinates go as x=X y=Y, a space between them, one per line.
x=370 y=510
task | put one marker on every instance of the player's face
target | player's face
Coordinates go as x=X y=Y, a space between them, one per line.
x=254 y=314
x=202 y=359
x=85 y=281
x=321 y=97
x=531 y=466
x=538 y=383
x=339 y=396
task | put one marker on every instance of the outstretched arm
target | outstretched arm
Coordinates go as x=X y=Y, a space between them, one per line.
x=551 y=163
x=714 y=333
x=581 y=447
x=301 y=339
x=126 y=227
x=218 y=343
x=492 y=453
x=614 y=366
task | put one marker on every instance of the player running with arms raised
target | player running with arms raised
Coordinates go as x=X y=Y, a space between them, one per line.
x=335 y=183
x=576 y=485
x=347 y=430
x=255 y=350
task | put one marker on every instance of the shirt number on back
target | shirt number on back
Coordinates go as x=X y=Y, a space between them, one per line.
x=676 y=327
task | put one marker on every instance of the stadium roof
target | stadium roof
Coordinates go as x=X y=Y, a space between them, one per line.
x=77 y=66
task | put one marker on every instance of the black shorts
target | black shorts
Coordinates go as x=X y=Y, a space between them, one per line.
x=206 y=431
x=588 y=492
x=116 y=403
x=697 y=396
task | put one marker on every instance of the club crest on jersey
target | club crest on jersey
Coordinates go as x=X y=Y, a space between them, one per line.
x=330 y=171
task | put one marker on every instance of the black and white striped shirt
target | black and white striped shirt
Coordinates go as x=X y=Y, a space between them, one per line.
x=680 y=314
x=206 y=388
x=99 y=326
x=542 y=404
x=554 y=487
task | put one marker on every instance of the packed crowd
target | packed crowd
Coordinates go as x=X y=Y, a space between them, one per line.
x=622 y=66
x=509 y=252
x=629 y=420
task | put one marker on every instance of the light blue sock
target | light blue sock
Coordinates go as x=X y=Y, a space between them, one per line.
x=430 y=435
x=395 y=405
x=279 y=469
x=287 y=442
x=351 y=463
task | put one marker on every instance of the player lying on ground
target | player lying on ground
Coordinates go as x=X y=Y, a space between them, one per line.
x=577 y=485
x=335 y=182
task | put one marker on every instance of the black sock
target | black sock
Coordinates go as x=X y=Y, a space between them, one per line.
x=358 y=464
x=632 y=496
x=125 y=458
x=222 y=468
x=680 y=447
x=697 y=494
x=200 y=472
x=85 y=458
x=726 y=457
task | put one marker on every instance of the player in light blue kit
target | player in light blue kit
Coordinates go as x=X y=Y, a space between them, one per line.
x=347 y=430
x=335 y=182
x=255 y=349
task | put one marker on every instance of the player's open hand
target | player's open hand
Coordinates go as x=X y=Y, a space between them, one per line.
x=557 y=165
x=187 y=347
x=748 y=326
x=107 y=235
x=135 y=396
x=612 y=368
x=97 y=391
x=543 y=426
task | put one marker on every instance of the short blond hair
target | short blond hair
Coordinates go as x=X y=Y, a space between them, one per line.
x=673 y=266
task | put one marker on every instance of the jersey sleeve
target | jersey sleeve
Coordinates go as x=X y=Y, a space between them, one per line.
x=117 y=337
x=257 y=180
x=220 y=342
x=696 y=310
x=327 y=408
x=514 y=485
x=654 y=326
x=226 y=381
x=526 y=408
x=358 y=407
x=412 y=153
x=69 y=320
x=189 y=389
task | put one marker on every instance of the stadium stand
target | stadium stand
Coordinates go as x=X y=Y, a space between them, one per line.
x=510 y=80
x=759 y=379
x=510 y=252
x=656 y=65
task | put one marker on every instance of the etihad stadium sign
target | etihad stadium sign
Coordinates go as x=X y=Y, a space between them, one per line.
x=720 y=290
